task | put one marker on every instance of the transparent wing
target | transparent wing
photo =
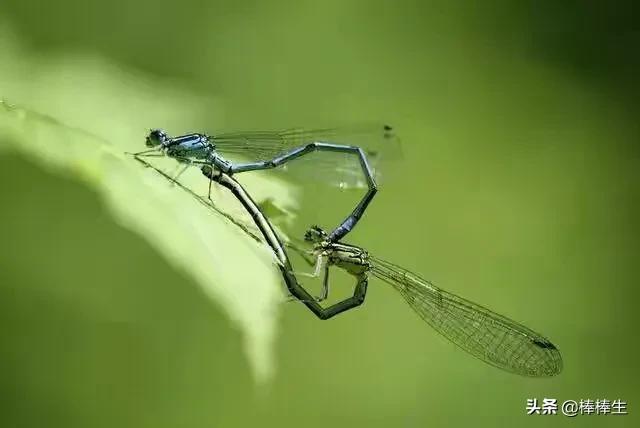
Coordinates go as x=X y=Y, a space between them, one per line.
x=484 y=334
x=375 y=139
x=378 y=141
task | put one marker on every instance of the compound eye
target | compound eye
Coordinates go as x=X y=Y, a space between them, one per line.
x=156 y=137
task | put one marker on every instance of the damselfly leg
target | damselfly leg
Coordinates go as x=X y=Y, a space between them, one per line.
x=207 y=203
x=319 y=264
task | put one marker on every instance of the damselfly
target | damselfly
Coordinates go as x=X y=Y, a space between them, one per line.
x=481 y=332
x=272 y=149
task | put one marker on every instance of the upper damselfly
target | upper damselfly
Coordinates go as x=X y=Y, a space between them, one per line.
x=272 y=149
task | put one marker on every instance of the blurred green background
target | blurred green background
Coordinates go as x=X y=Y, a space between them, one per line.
x=518 y=190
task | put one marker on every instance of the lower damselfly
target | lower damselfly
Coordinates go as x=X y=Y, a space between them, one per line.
x=486 y=335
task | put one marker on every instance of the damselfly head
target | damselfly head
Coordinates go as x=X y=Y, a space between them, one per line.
x=315 y=235
x=156 y=137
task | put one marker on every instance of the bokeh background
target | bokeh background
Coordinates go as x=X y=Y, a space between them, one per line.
x=518 y=189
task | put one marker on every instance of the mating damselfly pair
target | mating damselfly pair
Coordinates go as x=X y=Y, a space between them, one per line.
x=481 y=332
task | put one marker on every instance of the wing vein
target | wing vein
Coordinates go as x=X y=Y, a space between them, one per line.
x=481 y=332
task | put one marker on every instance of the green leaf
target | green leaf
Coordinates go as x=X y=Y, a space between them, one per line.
x=234 y=270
